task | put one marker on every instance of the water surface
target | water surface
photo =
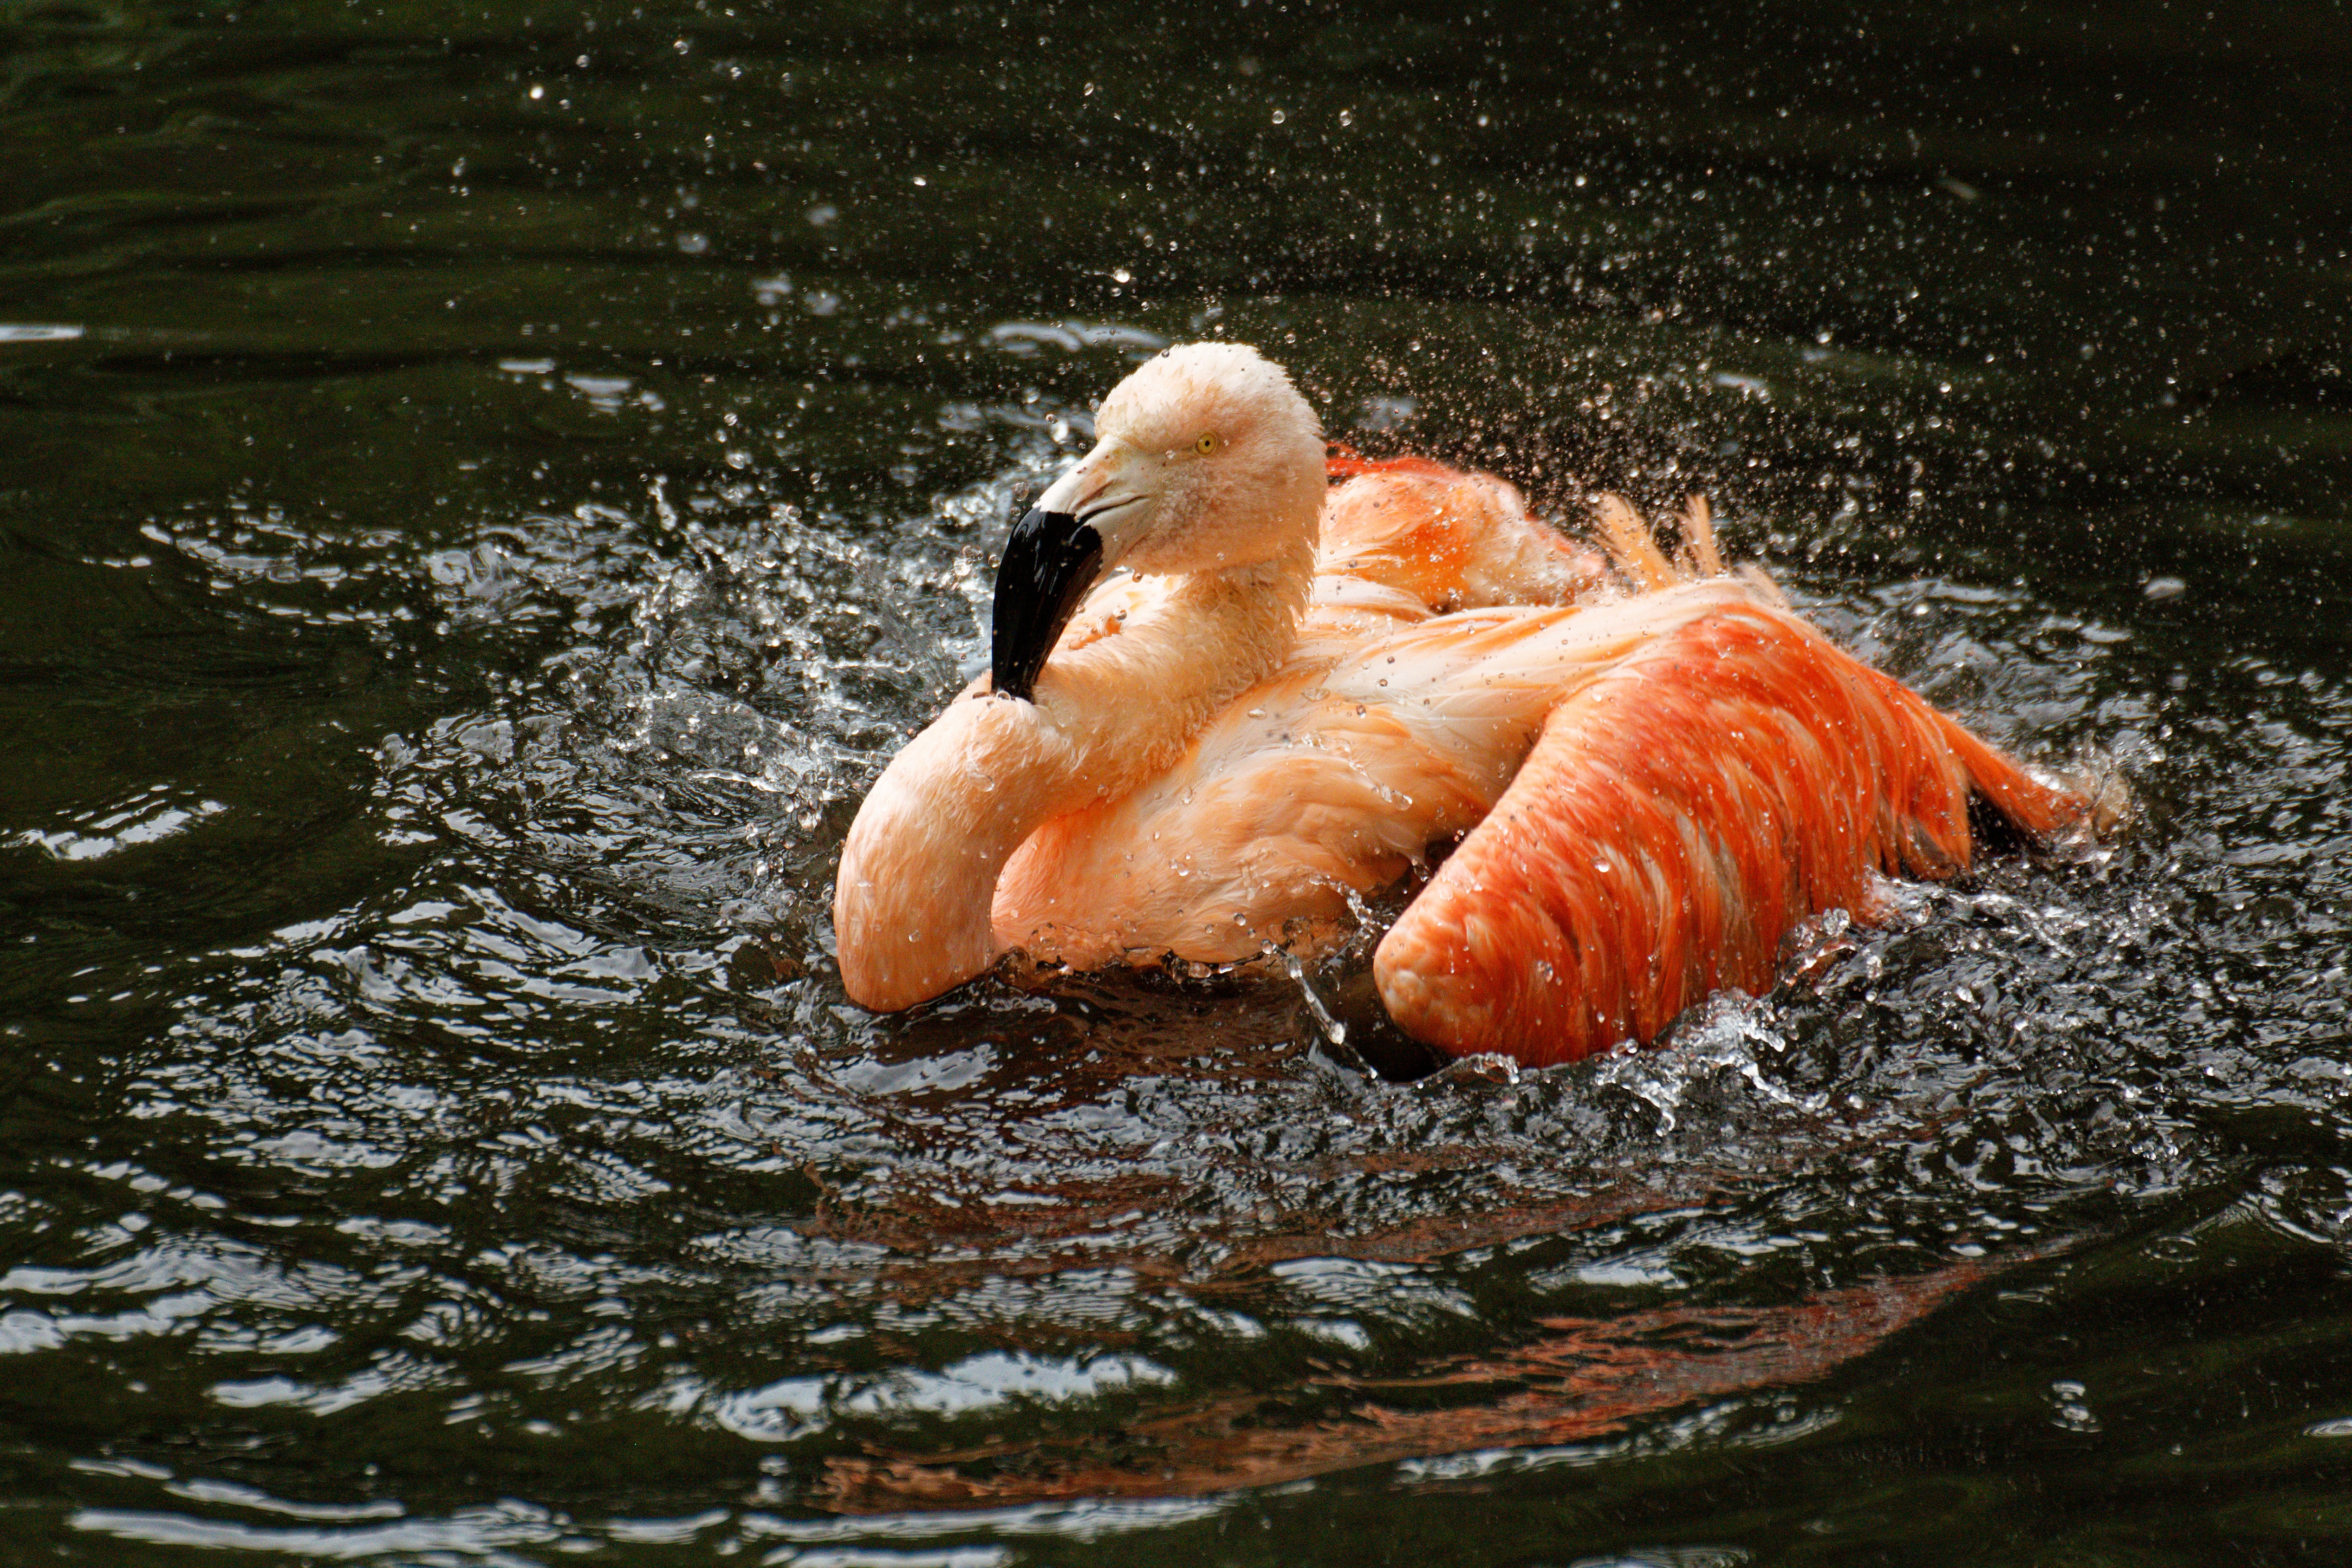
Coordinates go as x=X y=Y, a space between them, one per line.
x=483 y=490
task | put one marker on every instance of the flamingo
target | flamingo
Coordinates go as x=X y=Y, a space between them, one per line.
x=1296 y=694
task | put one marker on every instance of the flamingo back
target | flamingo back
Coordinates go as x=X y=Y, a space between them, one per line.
x=1453 y=541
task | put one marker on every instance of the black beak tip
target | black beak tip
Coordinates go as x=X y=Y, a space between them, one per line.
x=1050 y=561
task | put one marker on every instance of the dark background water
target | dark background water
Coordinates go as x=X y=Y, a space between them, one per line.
x=483 y=488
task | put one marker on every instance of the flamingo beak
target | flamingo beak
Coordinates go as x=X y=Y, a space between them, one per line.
x=1050 y=562
x=1055 y=557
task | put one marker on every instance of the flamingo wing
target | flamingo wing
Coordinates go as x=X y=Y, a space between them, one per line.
x=1679 y=813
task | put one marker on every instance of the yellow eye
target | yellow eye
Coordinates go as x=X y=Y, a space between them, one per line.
x=1205 y=445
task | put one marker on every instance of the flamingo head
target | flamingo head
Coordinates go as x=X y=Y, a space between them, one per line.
x=1206 y=459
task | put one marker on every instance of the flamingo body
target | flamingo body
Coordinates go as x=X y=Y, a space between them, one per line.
x=1650 y=790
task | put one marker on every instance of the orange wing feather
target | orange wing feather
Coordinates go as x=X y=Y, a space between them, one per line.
x=1678 y=815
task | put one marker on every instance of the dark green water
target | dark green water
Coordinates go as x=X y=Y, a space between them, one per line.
x=482 y=489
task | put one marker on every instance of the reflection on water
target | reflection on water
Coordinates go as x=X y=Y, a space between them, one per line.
x=1547 y=1403
x=479 y=508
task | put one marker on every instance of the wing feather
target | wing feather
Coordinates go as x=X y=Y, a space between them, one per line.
x=1679 y=813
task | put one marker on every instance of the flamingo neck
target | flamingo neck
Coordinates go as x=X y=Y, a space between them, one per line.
x=919 y=871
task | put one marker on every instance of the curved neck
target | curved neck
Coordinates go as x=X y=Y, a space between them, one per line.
x=918 y=870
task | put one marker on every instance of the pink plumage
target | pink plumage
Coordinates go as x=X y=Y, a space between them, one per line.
x=1309 y=693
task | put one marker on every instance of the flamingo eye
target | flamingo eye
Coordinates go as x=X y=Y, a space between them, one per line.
x=1206 y=443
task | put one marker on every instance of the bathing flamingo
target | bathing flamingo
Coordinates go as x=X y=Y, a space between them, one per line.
x=1298 y=691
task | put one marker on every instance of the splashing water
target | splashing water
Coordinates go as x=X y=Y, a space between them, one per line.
x=479 y=524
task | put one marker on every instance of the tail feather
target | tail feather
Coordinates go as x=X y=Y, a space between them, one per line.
x=2044 y=813
x=1634 y=548
x=1626 y=535
x=1699 y=553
